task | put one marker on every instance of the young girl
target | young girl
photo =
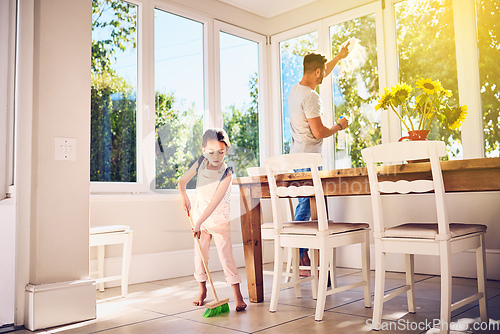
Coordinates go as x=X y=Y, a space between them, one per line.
x=211 y=211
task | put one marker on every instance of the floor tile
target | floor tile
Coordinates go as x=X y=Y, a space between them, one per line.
x=165 y=306
x=109 y=315
x=256 y=317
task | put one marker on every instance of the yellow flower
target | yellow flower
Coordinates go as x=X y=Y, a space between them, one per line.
x=385 y=100
x=461 y=118
x=447 y=92
x=428 y=86
x=400 y=92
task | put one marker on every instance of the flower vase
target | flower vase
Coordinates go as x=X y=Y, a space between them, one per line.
x=416 y=135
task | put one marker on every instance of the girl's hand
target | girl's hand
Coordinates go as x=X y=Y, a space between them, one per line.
x=196 y=231
x=186 y=204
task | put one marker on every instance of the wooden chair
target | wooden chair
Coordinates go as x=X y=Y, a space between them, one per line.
x=102 y=236
x=441 y=239
x=321 y=234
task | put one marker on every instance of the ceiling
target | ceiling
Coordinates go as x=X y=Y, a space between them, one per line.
x=267 y=8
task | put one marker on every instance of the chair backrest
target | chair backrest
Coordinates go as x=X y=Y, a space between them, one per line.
x=290 y=162
x=404 y=151
x=261 y=171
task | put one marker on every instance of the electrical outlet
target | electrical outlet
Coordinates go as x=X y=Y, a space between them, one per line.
x=65 y=149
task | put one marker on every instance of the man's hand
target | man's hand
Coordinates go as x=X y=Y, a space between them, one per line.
x=344 y=51
x=343 y=122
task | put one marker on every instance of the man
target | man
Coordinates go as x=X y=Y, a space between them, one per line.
x=308 y=130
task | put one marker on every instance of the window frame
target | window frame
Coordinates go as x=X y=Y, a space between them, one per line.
x=7 y=114
x=149 y=157
x=276 y=136
x=264 y=127
x=140 y=185
x=323 y=28
x=465 y=32
x=146 y=91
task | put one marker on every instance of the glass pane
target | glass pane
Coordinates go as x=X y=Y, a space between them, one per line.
x=426 y=49
x=489 y=53
x=355 y=90
x=179 y=96
x=292 y=52
x=114 y=90
x=240 y=100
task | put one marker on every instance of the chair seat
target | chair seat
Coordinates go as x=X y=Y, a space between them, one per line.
x=267 y=229
x=311 y=227
x=270 y=226
x=109 y=229
x=430 y=230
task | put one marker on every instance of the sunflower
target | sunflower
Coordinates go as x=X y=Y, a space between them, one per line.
x=447 y=92
x=401 y=92
x=462 y=114
x=385 y=100
x=428 y=86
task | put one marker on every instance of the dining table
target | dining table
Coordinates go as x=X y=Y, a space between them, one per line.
x=464 y=175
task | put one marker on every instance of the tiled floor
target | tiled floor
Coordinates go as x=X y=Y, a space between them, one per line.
x=166 y=307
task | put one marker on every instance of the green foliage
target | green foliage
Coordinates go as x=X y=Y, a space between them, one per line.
x=488 y=25
x=113 y=154
x=117 y=20
x=113 y=135
x=242 y=127
x=178 y=141
x=426 y=46
x=363 y=131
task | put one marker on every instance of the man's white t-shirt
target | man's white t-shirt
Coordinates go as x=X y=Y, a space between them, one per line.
x=303 y=103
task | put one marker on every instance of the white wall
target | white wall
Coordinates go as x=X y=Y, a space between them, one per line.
x=53 y=196
x=53 y=100
x=7 y=260
x=163 y=241
x=61 y=108
x=312 y=12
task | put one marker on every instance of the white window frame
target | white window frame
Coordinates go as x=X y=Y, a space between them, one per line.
x=140 y=185
x=7 y=113
x=264 y=127
x=464 y=14
x=323 y=29
x=146 y=91
x=327 y=91
x=276 y=136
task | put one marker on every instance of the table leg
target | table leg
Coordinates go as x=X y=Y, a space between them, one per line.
x=252 y=243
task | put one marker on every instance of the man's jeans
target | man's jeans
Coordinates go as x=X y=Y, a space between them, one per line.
x=303 y=209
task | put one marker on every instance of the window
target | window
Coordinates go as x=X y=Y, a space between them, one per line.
x=239 y=89
x=489 y=72
x=292 y=52
x=426 y=48
x=355 y=90
x=7 y=81
x=179 y=96
x=113 y=151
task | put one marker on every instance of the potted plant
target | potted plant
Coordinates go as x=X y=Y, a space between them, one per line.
x=420 y=106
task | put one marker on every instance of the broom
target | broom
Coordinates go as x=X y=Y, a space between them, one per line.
x=217 y=306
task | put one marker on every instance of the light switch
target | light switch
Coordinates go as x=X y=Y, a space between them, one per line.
x=65 y=149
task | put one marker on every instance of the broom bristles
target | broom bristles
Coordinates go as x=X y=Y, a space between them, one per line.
x=216 y=307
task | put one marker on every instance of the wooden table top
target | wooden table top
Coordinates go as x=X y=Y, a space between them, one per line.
x=482 y=174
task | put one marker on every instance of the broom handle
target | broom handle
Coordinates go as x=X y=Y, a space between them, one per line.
x=203 y=259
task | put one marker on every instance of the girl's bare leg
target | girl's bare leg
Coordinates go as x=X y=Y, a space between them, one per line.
x=238 y=298
x=203 y=294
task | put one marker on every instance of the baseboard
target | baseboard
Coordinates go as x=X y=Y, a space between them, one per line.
x=165 y=265
x=57 y=304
